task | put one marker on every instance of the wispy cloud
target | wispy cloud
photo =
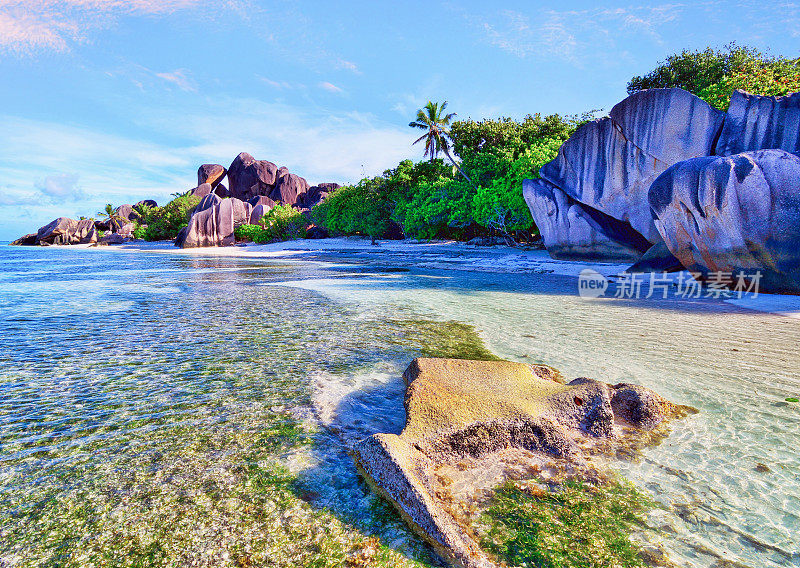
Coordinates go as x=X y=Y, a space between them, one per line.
x=181 y=78
x=330 y=87
x=348 y=65
x=573 y=33
x=60 y=187
x=55 y=25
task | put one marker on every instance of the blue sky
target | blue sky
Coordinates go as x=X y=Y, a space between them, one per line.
x=119 y=100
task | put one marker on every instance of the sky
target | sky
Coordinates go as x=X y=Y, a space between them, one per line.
x=121 y=100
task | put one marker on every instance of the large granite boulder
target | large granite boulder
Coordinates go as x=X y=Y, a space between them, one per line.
x=212 y=174
x=572 y=231
x=288 y=187
x=755 y=122
x=27 y=240
x=609 y=164
x=248 y=177
x=202 y=190
x=214 y=222
x=315 y=194
x=147 y=203
x=471 y=423
x=734 y=214
x=65 y=231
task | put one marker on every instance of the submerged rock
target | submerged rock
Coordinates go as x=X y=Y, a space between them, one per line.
x=460 y=410
x=736 y=214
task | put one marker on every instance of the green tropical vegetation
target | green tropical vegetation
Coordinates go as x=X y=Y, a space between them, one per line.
x=713 y=74
x=281 y=223
x=164 y=223
x=109 y=214
x=479 y=195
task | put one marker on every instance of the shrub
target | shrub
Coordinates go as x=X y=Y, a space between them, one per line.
x=164 y=223
x=697 y=70
x=281 y=223
x=778 y=78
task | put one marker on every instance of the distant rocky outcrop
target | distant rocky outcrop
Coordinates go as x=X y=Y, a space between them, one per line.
x=62 y=231
x=466 y=418
x=248 y=177
x=255 y=187
x=667 y=175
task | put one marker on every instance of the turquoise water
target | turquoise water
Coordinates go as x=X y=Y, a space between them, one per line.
x=136 y=385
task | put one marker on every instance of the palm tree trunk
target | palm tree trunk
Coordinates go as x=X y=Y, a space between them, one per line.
x=447 y=153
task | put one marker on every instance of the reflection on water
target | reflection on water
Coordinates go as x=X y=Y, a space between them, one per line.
x=134 y=388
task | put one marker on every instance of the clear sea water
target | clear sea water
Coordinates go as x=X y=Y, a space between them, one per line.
x=132 y=384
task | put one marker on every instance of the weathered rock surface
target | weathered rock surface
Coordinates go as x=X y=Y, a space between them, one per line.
x=609 y=164
x=572 y=231
x=202 y=190
x=288 y=187
x=734 y=214
x=65 y=231
x=212 y=174
x=657 y=259
x=248 y=177
x=27 y=240
x=315 y=194
x=458 y=411
x=147 y=203
x=755 y=122
x=213 y=222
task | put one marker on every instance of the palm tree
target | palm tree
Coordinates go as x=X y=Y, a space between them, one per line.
x=431 y=117
x=110 y=215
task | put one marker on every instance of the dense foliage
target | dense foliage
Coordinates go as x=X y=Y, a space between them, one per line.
x=714 y=74
x=164 y=223
x=281 y=223
x=433 y=199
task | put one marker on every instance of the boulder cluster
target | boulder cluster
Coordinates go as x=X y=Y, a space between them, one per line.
x=693 y=187
x=66 y=231
x=254 y=187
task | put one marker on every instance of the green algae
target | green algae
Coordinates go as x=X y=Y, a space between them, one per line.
x=446 y=340
x=569 y=525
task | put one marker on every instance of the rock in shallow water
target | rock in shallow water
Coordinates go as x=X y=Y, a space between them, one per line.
x=460 y=410
x=734 y=214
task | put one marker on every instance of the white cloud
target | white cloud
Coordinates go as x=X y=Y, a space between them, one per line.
x=181 y=78
x=330 y=87
x=60 y=187
x=348 y=65
x=54 y=25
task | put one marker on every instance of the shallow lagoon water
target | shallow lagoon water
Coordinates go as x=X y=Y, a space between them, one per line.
x=122 y=373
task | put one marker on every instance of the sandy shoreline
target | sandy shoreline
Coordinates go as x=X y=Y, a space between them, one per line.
x=445 y=255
